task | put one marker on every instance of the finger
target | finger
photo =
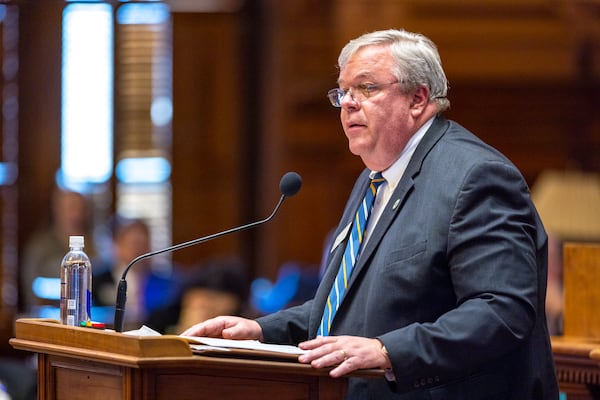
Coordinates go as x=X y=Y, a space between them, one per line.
x=341 y=370
x=316 y=342
x=325 y=356
x=196 y=330
x=314 y=352
x=240 y=328
x=231 y=333
x=350 y=363
x=326 y=349
x=210 y=327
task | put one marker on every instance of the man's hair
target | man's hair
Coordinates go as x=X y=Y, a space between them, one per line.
x=417 y=60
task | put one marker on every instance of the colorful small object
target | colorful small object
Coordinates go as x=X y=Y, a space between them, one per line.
x=92 y=324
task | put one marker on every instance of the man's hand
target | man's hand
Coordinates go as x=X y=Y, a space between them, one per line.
x=349 y=353
x=226 y=327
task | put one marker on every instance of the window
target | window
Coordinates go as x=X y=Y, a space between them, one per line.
x=141 y=84
x=87 y=101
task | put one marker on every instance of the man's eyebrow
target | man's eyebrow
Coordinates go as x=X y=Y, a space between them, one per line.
x=361 y=76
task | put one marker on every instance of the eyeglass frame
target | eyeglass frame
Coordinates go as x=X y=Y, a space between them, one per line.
x=365 y=91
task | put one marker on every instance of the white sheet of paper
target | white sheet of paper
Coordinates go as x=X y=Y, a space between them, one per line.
x=143 y=331
x=246 y=344
x=224 y=344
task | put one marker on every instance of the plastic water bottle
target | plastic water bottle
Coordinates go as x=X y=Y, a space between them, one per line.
x=75 y=284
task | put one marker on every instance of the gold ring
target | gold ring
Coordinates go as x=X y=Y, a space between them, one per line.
x=344 y=355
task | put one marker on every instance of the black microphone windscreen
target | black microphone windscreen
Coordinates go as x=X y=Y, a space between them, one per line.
x=290 y=184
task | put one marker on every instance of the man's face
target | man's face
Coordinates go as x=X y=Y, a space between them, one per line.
x=379 y=127
x=130 y=243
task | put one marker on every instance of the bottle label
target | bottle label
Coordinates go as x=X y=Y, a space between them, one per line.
x=71 y=320
x=71 y=304
x=89 y=304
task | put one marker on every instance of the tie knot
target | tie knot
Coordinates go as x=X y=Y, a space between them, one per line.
x=377 y=180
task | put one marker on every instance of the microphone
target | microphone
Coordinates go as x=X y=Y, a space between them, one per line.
x=288 y=186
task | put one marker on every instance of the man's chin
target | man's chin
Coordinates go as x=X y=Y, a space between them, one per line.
x=357 y=147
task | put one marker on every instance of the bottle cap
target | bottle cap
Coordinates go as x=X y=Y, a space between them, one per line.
x=76 y=241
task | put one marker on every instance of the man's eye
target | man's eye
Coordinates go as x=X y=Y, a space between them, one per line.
x=366 y=88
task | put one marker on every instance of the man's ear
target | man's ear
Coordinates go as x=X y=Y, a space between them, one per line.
x=419 y=99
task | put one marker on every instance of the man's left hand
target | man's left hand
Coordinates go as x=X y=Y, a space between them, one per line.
x=347 y=353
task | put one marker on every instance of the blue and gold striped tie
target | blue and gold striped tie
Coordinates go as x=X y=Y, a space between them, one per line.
x=350 y=255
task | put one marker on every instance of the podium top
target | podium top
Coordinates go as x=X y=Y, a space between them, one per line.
x=48 y=335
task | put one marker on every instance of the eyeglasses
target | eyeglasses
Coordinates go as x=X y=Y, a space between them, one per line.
x=358 y=93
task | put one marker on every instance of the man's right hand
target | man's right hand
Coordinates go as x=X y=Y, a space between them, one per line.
x=226 y=327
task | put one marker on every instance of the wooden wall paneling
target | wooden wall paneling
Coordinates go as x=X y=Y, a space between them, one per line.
x=39 y=111
x=303 y=132
x=584 y=18
x=207 y=173
x=534 y=125
x=499 y=39
x=270 y=131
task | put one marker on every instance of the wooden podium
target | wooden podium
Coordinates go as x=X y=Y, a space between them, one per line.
x=87 y=364
x=577 y=352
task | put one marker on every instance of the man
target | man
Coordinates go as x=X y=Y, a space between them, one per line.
x=447 y=294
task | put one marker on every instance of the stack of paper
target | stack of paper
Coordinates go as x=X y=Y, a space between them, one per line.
x=207 y=343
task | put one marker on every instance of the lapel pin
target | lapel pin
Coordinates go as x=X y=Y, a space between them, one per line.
x=396 y=204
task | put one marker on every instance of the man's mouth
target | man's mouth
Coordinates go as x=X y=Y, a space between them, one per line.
x=355 y=125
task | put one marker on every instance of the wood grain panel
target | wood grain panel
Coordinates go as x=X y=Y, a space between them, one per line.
x=582 y=299
x=208 y=173
x=85 y=380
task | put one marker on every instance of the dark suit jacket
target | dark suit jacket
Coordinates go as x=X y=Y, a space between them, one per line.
x=452 y=280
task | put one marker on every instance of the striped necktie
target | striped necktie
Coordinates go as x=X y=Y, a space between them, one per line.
x=351 y=252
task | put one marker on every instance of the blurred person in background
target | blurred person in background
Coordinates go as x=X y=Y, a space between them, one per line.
x=130 y=239
x=44 y=250
x=216 y=287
